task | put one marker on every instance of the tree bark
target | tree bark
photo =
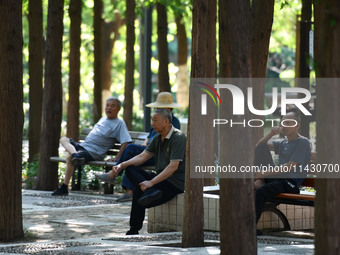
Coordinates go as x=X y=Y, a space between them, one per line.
x=262 y=21
x=129 y=62
x=52 y=102
x=203 y=65
x=75 y=10
x=305 y=27
x=163 y=53
x=182 y=56
x=237 y=212
x=11 y=120
x=35 y=66
x=98 y=79
x=327 y=205
x=108 y=43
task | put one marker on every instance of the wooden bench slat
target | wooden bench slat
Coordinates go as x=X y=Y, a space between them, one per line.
x=296 y=196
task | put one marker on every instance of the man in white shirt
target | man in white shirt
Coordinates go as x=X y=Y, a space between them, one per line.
x=101 y=138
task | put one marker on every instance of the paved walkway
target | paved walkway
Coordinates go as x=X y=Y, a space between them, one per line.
x=96 y=224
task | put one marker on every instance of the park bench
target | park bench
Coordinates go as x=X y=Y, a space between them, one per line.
x=305 y=198
x=137 y=137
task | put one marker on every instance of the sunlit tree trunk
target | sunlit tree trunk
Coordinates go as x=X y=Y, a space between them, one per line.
x=11 y=120
x=129 y=62
x=110 y=34
x=327 y=224
x=182 y=56
x=163 y=54
x=200 y=147
x=98 y=79
x=52 y=98
x=35 y=66
x=74 y=62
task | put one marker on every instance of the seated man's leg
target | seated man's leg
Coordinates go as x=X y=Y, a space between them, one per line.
x=130 y=151
x=169 y=191
x=270 y=190
x=137 y=175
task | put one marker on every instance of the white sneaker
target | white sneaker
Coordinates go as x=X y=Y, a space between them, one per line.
x=105 y=178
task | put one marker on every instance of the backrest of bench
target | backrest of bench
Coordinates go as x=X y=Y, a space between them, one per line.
x=136 y=136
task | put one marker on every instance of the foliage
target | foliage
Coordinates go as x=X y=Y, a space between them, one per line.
x=29 y=172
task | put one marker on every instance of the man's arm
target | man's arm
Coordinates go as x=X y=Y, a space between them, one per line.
x=265 y=139
x=166 y=173
x=135 y=161
x=120 y=152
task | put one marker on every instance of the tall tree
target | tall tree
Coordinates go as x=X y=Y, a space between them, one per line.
x=162 y=43
x=75 y=10
x=98 y=79
x=129 y=62
x=327 y=225
x=203 y=65
x=110 y=34
x=182 y=59
x=262 y=21
x=35 y=66
x=303 y=61
x=52 y=94
x=11 y=116
x=237 y=218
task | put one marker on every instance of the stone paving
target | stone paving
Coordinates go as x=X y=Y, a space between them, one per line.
x=96 y=224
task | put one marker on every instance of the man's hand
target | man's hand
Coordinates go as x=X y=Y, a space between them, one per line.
x=275 y=130
x=116 y=169
x=112 y=159
x=145 y=185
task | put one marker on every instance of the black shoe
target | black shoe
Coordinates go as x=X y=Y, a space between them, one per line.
x=132 y=231
x=62 y=191
x=259 y=232
x=150 y=196
x=76 y=160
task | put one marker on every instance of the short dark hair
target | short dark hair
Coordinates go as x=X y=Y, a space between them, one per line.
x=296 y=116
x=165 y=113
x=112 y=98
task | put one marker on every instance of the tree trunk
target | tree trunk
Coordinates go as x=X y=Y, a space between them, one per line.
x=52 y=102
x=11 y=116
x=182 y=56
x=74 y=62
x=237 y=211
x=98 y=79
x=129 y=62
x=327 y=225
x=203 y=65
x=163 y=53
x=35 y=66
x=109 y=28
x=262 y=21
x=305 y=27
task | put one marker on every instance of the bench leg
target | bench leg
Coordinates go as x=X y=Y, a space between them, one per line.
x=76 y=178
x=282 y=217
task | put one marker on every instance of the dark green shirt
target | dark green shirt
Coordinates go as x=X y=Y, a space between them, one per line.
x=171 y=149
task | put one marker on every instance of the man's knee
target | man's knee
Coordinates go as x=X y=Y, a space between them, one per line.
x=64 y=140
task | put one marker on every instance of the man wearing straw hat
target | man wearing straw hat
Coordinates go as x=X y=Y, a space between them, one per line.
x=164 y=100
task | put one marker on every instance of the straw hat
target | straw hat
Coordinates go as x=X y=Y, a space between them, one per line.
x=164 y=100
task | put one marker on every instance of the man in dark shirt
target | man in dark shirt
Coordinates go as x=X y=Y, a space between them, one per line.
x=164 y=101
x=152 y=189
x=294 y=157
